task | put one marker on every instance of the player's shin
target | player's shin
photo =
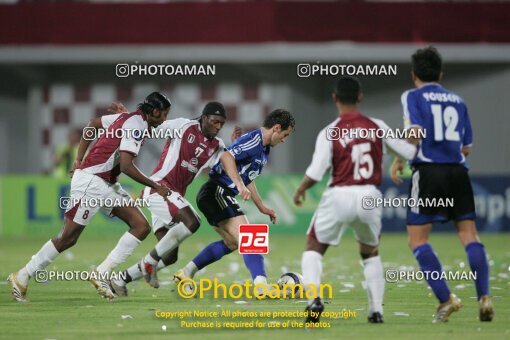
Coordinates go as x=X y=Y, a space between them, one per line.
x=311 y=266
x=39 y=261
x=429 y=262
x=172 y=239
x=125 y=247
x=478 y=262
x=373 y=272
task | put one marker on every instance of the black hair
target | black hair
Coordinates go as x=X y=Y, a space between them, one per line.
x=214 y=108
x=427 y=64
x=347 y=90
x=155 y=100
x=279 y=116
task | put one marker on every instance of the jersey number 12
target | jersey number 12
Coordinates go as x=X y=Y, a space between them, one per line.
x=450 y=116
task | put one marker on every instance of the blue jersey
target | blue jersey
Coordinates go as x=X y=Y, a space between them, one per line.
x=251 y=157
x=444 y=118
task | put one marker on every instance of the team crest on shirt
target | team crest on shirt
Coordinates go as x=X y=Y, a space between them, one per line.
x=193 y=161
x=237 y=149
x=191 y=138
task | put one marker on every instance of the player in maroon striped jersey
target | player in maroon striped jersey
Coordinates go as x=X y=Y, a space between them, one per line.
x=173 y=218
x=95 y=180
x=356 y=170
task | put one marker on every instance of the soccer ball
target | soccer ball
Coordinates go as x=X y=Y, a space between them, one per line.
x=288 y=283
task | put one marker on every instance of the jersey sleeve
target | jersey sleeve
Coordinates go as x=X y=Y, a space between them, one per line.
x=468 y=132
x=107 y=120
x=412 y=114
x=217 y=155
x=246 y=146
x=322 y=156
x=397 y=145
x=128 y=142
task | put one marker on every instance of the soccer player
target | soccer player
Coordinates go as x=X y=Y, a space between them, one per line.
x=173 y=218
x=234 y=175
x=95 y=179
x=356 y=169
x=440 y=172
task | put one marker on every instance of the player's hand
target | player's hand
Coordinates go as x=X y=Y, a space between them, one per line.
x=115 y=108
x=270 y=213
x=299 y=197
x=162 y=190
x=76 y=165
x=397 y=167
x=244 y=192
x=237 y=133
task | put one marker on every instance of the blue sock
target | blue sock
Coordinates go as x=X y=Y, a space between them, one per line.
x=212 y=253
x=255 y=264
x=429 y=262
x=478 y=263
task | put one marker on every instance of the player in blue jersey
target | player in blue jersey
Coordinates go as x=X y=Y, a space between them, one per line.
x=234 y=175
x=440 y=173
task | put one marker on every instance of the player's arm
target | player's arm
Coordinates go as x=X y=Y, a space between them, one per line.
x=259 y=203
x=128 y=167
x=229 y=165
x=94 y=124
x=238 y=131
x=321 y=162
x=300 y=194
x=467 y=140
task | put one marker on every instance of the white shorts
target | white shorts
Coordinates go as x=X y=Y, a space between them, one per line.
x=163 y=210
x=89 y=193
x=340 y=208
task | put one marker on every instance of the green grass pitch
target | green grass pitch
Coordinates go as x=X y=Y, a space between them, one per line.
x=68 y=310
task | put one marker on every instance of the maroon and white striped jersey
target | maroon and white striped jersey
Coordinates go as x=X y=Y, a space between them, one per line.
x=354 y=160
x=184 y=158
x=103 y=157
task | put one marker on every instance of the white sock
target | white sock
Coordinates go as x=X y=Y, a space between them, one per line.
x=125 y=247
x=135 y=273
x=373 y=271
x=174 y=236
x=190 y=269
x=39 y=261
x=311 y=266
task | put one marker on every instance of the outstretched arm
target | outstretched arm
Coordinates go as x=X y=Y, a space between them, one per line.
x=260 y=204
x=300 y=194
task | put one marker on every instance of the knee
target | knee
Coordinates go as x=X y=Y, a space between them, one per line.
x=194 y=224
x=368 y=254
x=140 y=228
x=170 y=259
x=231 y=244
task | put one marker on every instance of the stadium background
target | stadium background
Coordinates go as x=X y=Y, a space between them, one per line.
x=57 y=65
